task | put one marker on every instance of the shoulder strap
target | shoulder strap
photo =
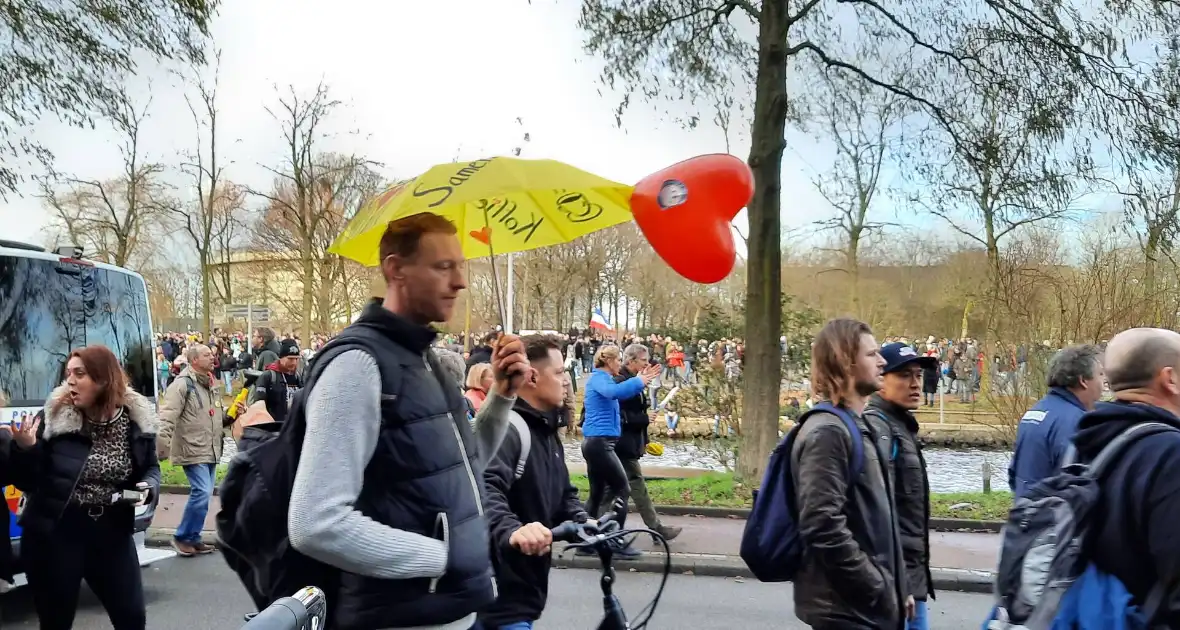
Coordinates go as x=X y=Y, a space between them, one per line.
x=857 y=464
x=1112 y=451
x=894 y=438
x=191 y=389
x=526 y=441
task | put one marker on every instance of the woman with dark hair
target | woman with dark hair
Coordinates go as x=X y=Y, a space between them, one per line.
x=87 y=460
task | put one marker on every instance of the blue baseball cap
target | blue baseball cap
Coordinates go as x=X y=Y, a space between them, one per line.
x=898 y=355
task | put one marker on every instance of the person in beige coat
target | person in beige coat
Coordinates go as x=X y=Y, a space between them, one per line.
x=192 y=429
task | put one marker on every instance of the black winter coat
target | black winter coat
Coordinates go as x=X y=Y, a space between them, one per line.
x=633 y=415
x=911 y=491
x=544 y=495
x=49 y=470
x=930 y=379
x=277 y=390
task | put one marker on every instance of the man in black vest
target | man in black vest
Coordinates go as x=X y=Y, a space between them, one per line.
x=389 y=487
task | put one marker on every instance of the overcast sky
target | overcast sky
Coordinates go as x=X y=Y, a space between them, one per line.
x=424 y=82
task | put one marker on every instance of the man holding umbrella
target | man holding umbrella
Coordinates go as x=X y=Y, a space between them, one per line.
x=394 y=496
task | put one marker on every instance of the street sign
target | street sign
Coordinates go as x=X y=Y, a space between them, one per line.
x=252 y=312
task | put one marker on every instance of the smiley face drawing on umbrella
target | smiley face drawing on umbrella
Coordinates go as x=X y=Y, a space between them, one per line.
x=576 y=207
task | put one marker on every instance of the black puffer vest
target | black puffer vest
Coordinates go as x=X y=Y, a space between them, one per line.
x=423 y=478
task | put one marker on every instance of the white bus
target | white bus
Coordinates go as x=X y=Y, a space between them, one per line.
x=52 y=303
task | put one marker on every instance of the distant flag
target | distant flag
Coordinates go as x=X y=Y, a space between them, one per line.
x=598 y=320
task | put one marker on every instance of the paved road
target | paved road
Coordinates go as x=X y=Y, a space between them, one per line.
x=184 y=594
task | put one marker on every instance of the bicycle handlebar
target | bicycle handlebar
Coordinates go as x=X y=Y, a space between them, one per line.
x=588 y=533
x=305 y=610
x=606 y=536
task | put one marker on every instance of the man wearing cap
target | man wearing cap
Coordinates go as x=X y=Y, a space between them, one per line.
x=280 y=382
x=893 y=405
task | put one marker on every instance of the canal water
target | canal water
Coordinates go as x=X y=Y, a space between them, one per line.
x=950 y=470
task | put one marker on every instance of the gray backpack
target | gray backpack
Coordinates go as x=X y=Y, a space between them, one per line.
x=526 y=441
x=1043 y=550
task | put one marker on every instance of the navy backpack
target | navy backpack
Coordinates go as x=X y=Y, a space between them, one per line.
x=770 y=543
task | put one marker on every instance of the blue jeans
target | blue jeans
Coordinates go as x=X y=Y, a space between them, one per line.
x=200 y=480
x=920 y=621
x=519 y=625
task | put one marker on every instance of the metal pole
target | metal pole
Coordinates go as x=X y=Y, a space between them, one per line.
x=250 y=325
x=508 y=315
x=941 y=398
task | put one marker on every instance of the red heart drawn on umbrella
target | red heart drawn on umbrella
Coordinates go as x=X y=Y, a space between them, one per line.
x=484 y=235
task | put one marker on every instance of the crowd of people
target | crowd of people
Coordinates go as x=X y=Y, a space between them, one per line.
x=423 y=483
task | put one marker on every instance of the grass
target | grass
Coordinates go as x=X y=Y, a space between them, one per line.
x=173 y=475
x=721 y=490
x=715 y=490
x=992 y=506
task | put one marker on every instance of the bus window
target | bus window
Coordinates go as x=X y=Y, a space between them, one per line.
x=115 y=306
x=47 y=311
x=40 y=322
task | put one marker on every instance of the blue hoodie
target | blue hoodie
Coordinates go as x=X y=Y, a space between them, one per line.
x=602 y=403
x=1136 y=537
x=1043 y=437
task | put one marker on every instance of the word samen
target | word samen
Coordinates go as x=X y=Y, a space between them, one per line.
x=461 y=176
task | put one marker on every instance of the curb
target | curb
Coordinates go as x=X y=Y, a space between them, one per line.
x=706 y=511
x=963 y=580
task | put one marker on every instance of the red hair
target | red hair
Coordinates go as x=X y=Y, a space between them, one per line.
x=103 y=368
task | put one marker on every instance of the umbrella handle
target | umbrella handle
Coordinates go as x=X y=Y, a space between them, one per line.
x=496 y=278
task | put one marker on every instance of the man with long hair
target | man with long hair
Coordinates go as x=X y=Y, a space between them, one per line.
x=853 y=574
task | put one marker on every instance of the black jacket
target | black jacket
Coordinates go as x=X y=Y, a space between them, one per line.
x=544 y=495
x=1134 y=539
x=853 y=574
x=479 y=354
x=930 y=379
x=633 y=415
x=277 y=389
x=421 y=478
x=49 y=470
x=911 y=491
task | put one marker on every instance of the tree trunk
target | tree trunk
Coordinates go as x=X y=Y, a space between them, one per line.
x=764 y=260
x=308 y=292
x=205 y=298
x=852 y=262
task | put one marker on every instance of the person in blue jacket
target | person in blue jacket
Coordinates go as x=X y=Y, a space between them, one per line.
x=1046 y=431
x=602 y=428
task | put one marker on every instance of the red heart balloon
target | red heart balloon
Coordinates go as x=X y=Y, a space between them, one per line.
x=685 y=212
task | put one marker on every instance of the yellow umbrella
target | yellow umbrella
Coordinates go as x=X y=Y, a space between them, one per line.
x=499 y=204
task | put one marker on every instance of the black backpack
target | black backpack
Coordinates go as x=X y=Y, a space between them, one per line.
x=1044 y=549
x=256 y=493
